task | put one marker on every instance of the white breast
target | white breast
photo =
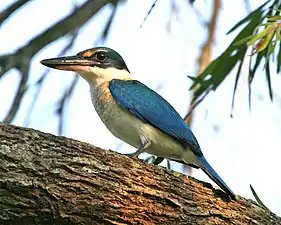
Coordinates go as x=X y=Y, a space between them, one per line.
x=118 y=121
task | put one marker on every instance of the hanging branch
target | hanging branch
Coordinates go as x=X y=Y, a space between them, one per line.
x=62 y=102
x=206 y=52
x=24 y=71
x=5 y=14
x=40 y=81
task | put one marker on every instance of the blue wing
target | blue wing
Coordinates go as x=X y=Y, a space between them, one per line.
x=151 y=108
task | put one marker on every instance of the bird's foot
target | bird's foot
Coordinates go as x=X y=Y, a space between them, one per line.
x=132 y=155
x=158 y=160
x=154 y=160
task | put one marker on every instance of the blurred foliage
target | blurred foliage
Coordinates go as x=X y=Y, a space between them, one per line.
x=261 y=33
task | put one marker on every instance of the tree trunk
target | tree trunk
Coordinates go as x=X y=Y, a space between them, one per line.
x=45 y=179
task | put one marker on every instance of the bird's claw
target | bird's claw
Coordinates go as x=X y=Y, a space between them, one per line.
x=131 y=155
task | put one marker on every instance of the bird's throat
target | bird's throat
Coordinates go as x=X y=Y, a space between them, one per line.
x=95 y=76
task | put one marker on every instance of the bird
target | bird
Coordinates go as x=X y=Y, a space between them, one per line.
x=133 y=112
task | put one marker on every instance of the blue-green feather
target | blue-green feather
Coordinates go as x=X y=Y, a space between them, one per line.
x=151 y=108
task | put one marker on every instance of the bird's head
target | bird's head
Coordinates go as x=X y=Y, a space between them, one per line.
x=92 y=64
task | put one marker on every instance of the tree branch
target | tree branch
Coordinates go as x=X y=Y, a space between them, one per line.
x=69 y=24
x=24 y=70
x=72 y=22
x=22 y=57
x=5 y=14
x=46 y=179
x=62 y=103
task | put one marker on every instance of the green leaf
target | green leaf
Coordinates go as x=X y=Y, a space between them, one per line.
x=242 y=41
x=247 y=18
x=273 y=18
x=279 y=58
x=270 y=51
x=260 y=35
x=257 y=36
x=257 y=198
x=252 y=72
x=268 y=79
x=236 y=84
x=192 y=78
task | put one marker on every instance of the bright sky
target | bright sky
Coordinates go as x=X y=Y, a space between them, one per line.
x=244 y=150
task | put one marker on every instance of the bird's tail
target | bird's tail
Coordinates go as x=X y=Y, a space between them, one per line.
x=206 y=167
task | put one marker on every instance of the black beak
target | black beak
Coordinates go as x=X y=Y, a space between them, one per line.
x=71 y=63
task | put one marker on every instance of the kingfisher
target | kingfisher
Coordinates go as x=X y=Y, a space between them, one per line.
x=133 y=112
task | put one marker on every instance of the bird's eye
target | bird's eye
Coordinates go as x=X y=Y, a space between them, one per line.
x=101 y=56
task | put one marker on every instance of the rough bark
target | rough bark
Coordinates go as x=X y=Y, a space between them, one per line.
x=45 y=179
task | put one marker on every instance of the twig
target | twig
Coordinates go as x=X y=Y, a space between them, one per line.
x=101 y=39
x=193 y=105
x=205 y=56
x=11 y=9
x=109 y=22
x=65 y=97
x=174 y=12
x=72 y=22
x=24 y=70
x=40 y=81
x=36 y=95
x=150 y=10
